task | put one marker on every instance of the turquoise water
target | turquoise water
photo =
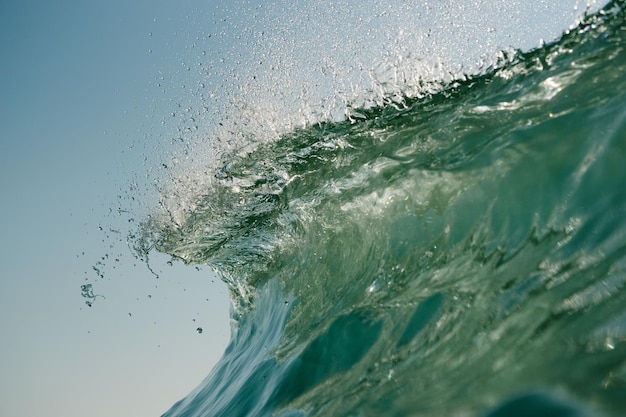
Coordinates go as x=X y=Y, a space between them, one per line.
x=458 y=252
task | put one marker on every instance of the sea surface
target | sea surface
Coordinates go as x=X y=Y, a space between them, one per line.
x=457 y=248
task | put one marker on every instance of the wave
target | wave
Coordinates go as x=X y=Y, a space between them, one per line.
x=457 y=249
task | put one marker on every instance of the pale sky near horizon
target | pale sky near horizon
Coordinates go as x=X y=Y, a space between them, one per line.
x=77 y=95
x=82 y=118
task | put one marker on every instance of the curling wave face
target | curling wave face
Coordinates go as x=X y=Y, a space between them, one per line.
x=458 y=253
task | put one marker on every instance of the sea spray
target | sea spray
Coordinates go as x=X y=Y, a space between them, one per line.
x=258 y=71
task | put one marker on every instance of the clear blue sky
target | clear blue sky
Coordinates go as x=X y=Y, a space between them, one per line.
x=79 y=110
x=82 y=118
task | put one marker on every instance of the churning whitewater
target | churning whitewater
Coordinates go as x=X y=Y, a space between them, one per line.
x=454 y=246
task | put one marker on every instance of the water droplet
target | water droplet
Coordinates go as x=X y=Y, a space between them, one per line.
x=199 y=330
x=609 y=343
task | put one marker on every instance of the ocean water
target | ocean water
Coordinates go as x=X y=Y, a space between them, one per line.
x=457 y=248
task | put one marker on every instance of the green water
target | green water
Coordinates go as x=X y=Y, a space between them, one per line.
x=457 y=254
